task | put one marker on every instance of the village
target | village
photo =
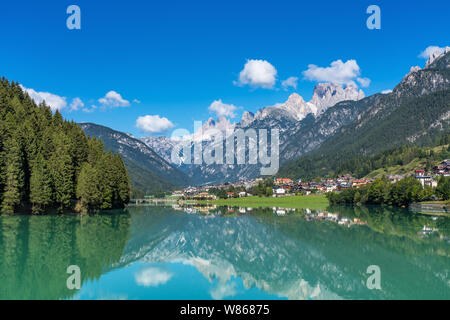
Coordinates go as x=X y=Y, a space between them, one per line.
x=281 y=187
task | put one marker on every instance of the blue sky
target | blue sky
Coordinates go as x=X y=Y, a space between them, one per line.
x=175 y=58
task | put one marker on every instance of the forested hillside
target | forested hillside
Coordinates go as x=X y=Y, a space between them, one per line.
x=417 y=112
x=47 y=164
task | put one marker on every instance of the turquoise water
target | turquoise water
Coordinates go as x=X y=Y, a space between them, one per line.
x=226 y=253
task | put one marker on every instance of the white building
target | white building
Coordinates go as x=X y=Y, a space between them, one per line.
x=280 y=192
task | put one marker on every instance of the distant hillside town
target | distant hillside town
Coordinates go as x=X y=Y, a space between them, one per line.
x=279 y=187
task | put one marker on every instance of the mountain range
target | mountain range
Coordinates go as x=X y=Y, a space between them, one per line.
x=148 y=172
x=338 y=123
x=416 y=112
x=289 y=118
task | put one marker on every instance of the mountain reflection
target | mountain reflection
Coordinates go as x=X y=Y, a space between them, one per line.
x=294 y=254
x=298 y=257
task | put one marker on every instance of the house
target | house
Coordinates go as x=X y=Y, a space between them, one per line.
x=242 y=194
x=333 y=216
x=343 y=186
x=282 y=181
x=204 y=196
x=230 y=195
x=443 y=168
x=359 y=183
x=279 y=192
x=420 y=173
x=178 y=193
x=395 y=178
x=427 y=181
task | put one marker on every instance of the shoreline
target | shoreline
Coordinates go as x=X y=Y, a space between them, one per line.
x=296 y=202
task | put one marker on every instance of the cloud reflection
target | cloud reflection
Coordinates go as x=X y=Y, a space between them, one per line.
x=152 y=277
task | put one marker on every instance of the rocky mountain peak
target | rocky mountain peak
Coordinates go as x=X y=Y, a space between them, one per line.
x=328 y=94
x=247 y=118
x=295 y=98
x=209 y=124
x=325 y=96
x=436 y=55
x=297 y=107
x=222 y=124
x=323 y=90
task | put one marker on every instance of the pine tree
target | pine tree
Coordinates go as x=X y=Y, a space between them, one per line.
x=62 y=172
x=107 y=181
x=14 y=182
x=40 y=186
x=89 y=189
x=123 y=182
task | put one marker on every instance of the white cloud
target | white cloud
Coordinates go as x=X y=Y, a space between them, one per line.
x=386 y=91
x=152 y=277
x=338 y=72
x=54 y=101
x=154 y=124
x=87 y=110
x=114 y=99
x=257 y=73
x=290 y=82
x=364 y=82
x=136 y=101
x=221 y=109
x=76 y=104
x=430 y=50
x=223 y=290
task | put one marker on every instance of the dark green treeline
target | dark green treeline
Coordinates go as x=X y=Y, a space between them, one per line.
x=47 y=163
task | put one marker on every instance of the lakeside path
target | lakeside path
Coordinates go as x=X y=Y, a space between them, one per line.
x=319 y=202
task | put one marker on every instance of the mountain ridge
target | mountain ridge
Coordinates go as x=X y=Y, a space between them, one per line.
x=416 y=112
x=288 y=118
x=148 y=171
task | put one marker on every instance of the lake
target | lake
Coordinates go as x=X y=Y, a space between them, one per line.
x=159 y=252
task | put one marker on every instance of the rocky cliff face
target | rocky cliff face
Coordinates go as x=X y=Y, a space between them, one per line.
x=161 y=145
x=436 y=55
x=293 y=118
x=329 y=94
x=417 y=111
x=325 y=96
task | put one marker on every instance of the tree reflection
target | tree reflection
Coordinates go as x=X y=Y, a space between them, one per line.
x=36 y=251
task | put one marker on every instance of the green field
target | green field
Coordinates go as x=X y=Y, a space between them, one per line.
x=311 y=202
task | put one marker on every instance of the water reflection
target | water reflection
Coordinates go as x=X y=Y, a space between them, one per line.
x=36 y=251
x=228 y=253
